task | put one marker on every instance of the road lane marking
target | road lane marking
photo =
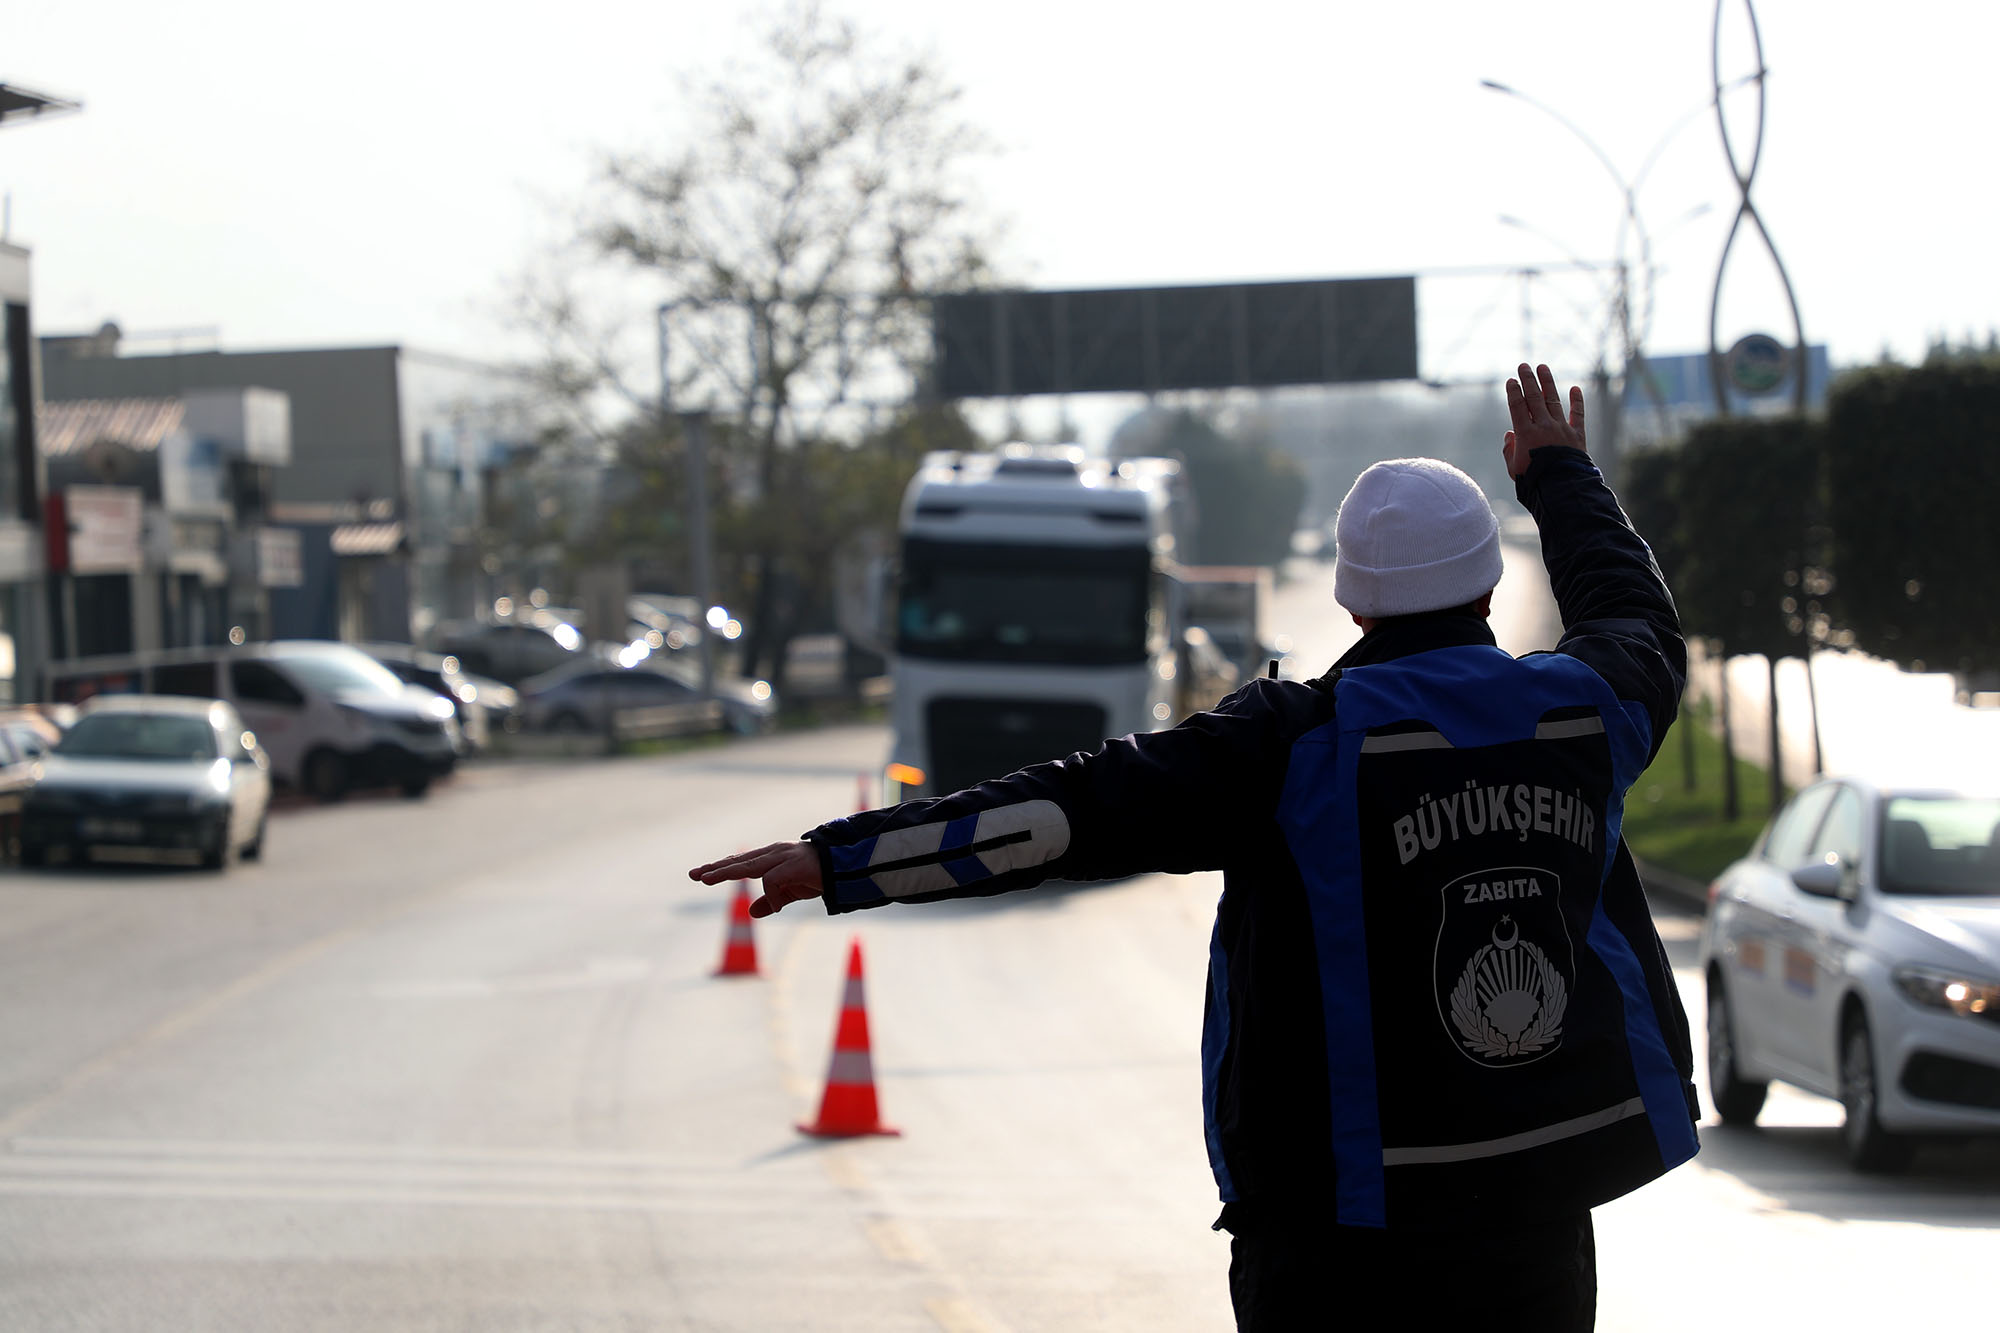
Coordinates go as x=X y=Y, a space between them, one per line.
x=784 y=985
x=692 y=1204
x=844 y=1170
x=187 y=1018
x=955 y=1314
x=893 y=1241
x=596 y=974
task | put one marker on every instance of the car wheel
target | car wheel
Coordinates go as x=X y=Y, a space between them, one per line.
x=1737 y=1099
x=568 y=723
x=254 y=849
x=1869 y=1146
x=325 y=775
x=416 y=787
x=34 y=853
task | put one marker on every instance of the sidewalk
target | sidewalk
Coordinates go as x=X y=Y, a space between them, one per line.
x=1876 y=721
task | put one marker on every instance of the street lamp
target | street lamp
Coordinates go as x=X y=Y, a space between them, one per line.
x=1632 y=334
x=1576 y=261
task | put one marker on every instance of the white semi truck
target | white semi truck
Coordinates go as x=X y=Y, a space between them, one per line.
x=1035 y=613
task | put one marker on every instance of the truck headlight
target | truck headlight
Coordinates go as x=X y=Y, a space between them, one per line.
x=1936 y=989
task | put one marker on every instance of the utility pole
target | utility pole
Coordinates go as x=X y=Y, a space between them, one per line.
x=694 y=432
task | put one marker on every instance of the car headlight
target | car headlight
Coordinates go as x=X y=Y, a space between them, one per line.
x=1935 y=989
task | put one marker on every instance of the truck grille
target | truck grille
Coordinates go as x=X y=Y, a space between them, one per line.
x=972 y=740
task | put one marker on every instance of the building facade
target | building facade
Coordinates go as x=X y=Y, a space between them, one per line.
x=167 y=540
x=383 y=483
x=24 y=629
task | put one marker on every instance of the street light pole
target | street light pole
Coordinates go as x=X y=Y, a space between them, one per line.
x=694 y=429
x=1632 y=332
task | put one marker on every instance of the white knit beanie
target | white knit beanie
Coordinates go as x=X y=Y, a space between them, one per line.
x=1414 y=534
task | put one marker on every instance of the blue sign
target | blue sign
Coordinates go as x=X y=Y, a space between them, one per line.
x=1759 y=372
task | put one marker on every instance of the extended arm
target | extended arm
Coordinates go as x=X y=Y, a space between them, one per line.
x=1175 y=800
x=1616 y=611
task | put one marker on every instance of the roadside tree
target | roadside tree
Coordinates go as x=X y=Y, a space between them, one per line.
x=1912 y=469
x=814 y=193
x=1749 y=556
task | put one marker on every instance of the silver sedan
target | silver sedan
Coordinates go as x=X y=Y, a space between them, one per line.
x=1855 y=953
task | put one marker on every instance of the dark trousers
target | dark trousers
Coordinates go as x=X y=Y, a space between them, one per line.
x=1535 y=1278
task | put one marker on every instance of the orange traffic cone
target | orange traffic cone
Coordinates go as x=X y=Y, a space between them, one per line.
x=739 y=946
x=848 y=1108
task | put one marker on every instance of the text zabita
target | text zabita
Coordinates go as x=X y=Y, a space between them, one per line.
x=1478 y=810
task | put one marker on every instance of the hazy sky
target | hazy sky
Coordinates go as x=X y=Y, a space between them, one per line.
x=302 y=174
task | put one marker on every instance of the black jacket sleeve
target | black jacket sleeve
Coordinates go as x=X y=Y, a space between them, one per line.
x=1174 y=800
x=1617 y=614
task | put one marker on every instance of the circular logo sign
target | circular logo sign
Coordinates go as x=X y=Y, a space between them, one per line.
x=1758 y=363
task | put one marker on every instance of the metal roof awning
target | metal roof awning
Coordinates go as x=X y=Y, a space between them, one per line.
x=367 y=539
x=136 y=423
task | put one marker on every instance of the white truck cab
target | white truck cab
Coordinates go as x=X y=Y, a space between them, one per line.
x=1034 y=613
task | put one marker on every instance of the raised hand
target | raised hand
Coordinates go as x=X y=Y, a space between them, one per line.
x=789 y=871
x=1536 y=409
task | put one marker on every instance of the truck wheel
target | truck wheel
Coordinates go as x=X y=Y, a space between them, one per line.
x=325 y=775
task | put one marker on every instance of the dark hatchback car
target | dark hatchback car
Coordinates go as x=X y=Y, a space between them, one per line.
x=585 y=698
x=484 y=705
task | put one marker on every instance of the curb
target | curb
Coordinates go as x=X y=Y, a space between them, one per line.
x=1677 y=888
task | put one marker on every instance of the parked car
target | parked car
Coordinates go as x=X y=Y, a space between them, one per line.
x=330 y=716
x=662 y=629
x=146 y=771
x=21 y=746
x=483 y=705
x=582 y=698
x=1855 y=953
x=35 y=730
x=510 y=652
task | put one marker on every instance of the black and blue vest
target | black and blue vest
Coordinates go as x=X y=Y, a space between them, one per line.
x=1493 y=1044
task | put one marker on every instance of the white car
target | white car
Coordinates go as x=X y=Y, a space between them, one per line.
x=142 y=771
x=1855 y=953
x=331 y=717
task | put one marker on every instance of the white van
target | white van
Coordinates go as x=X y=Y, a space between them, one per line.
x=330 y=716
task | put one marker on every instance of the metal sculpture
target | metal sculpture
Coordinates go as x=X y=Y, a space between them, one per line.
x=1745 y=175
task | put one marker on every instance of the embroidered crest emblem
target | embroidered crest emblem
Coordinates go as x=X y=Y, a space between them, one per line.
x=1506 y=1003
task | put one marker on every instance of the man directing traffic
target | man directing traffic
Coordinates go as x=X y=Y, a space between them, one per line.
x=1440 y=1025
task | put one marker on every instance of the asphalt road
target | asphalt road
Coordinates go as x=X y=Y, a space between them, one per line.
x=460 y=1064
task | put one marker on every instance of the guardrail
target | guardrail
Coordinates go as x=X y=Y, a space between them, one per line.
x=622 y=727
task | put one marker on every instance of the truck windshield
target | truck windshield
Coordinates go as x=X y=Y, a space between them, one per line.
x=1070 y=606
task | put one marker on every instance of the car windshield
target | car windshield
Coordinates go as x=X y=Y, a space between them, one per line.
x=337 y=671
x=139 y=736
x=1941 y=844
